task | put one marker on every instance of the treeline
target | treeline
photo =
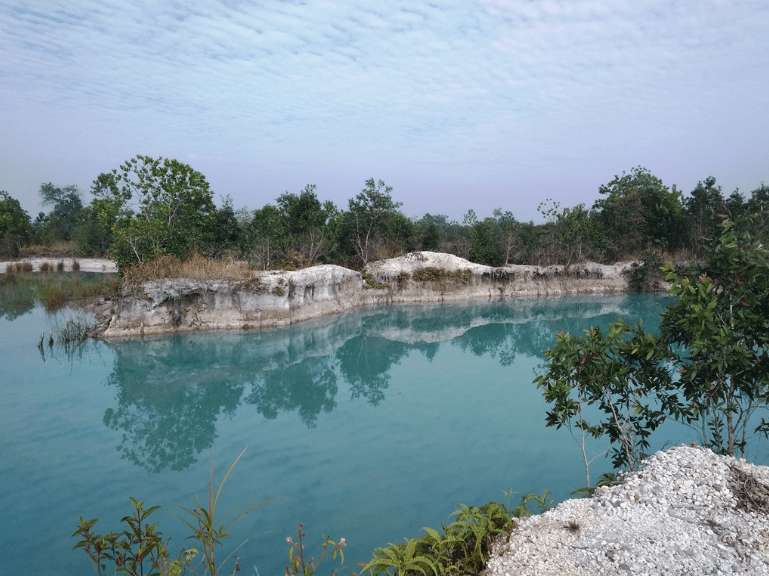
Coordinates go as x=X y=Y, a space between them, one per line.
x=152 y=206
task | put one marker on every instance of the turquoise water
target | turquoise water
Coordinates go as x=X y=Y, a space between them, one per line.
x=371 y=425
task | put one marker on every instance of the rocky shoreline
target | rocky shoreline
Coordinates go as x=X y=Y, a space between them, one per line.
x=280 y=298
x=688 y=512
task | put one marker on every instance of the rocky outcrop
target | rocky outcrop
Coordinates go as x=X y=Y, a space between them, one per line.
x=689 y=511
x=437 y=277
x=280 y=298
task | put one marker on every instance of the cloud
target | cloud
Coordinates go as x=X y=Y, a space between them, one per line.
x=507 y=86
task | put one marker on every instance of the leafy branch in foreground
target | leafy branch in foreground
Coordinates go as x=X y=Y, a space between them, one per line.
x=709 y=365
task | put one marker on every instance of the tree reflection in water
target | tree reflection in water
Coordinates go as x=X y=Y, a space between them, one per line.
x=172 y=390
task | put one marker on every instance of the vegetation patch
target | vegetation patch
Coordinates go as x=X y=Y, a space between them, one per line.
x=195 y=266
x=371 y=283
x=463 y=547
x=19 y=290
x=433 y=274
x=278 y=291
x=54 y=250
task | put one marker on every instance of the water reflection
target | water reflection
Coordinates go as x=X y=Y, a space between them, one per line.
x=171 y=391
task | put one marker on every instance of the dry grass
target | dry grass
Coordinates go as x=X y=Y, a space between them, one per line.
x=53 y=297
x=46 y=267
x=196 y=266
x=18 y=267
x=56 y=250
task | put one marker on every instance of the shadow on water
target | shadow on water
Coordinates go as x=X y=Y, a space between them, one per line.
x=171 y=391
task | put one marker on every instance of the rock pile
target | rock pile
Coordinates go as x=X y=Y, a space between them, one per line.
x=688 y=512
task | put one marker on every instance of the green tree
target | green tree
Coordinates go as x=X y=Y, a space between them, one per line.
x=705 y=208
x=718 y=331
x=640 y=213
x=710 y=363
x=15 y=226
x=175 y=212
x=264 y=238
x=364 y=225
x=306 y=222
x=61 y=223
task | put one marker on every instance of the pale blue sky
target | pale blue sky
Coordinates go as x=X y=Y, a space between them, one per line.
x=455 y=104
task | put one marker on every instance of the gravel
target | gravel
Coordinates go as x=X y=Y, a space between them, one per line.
x=688 y=511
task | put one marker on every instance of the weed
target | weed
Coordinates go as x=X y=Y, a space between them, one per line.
x=278 y=291
x=46 y=267
x=433 y=274
x=371 y=282
x=203 y=523
x=573 y=526
x=132 y=550
x=52 y=297
x=141 y=548
x=463 y=548
x=298 y=565
x=75 y=266
x=60 y=266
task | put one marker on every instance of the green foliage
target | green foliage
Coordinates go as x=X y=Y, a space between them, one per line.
x=647 y=276
x=206 y=529
x=61 y=223
x=719 y=331
x=443 y=277
x=616 y=371
x=305 y=221
x=15 y=226
x=138 y=550
x=640 y=213
x=263 y=239
x=141 y=550
x=463 y=547
x=710 y=363
x=364 y=226
x=175 y=213
x=298 y=565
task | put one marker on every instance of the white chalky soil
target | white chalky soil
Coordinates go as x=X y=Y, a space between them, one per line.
x=683 y=514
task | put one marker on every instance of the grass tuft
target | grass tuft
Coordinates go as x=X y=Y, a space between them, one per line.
x=46 y=267
x=60 y=266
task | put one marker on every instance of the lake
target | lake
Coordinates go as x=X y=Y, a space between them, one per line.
x=371 y=425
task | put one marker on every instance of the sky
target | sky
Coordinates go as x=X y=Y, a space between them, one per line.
x=456 y=104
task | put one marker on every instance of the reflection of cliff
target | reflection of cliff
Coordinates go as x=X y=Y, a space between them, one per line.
x=171 y=391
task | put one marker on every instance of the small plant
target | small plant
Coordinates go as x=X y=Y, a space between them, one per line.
x=75 y=266
x=46 y=267
x=138 y=550
x=278 y=291
x=296 y=561
x=463 y=548
x=543 y=504
x=60 y=266
x=371 y=282
x=573 y=526
x=403 y=558
x=202 y=521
